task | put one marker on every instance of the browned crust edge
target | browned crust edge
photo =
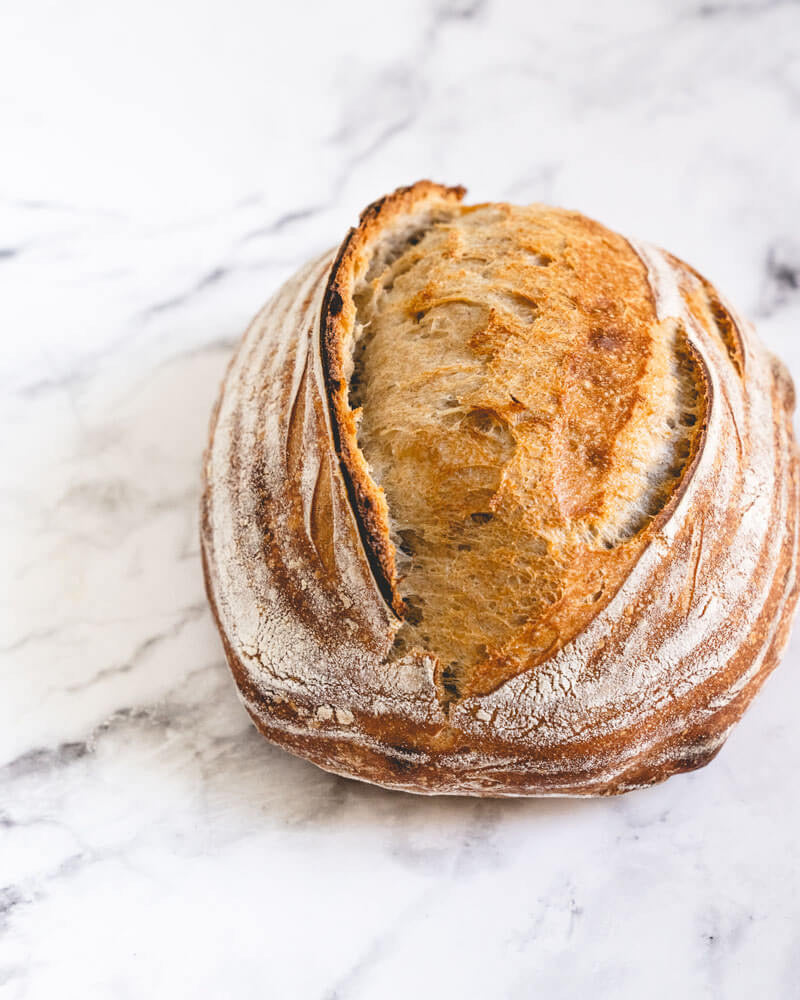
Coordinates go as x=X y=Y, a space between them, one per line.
x=336 y=322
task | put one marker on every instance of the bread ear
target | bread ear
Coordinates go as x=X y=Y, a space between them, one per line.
x=385 y=229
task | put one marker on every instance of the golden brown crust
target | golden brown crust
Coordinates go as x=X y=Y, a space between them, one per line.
x=516 y=397
x=648 y=686
x=337 y=318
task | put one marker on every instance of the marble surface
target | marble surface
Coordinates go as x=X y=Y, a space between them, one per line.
x=164 y=168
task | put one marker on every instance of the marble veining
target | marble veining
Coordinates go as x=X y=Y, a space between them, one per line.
x=165 y=167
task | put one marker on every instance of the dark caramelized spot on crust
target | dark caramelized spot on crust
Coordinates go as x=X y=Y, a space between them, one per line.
x=334 y=304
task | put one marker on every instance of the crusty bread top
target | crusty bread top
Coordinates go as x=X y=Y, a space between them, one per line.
x=297 y=534
x=514 y=417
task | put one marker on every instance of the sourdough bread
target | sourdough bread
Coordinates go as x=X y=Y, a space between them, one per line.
x=499 y=502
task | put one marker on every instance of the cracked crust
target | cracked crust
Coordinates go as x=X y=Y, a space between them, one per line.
x=302 y=574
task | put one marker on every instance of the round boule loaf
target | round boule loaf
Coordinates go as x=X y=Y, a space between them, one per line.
x=498 y=502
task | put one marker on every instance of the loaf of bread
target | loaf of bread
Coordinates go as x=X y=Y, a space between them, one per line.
x=498 y=502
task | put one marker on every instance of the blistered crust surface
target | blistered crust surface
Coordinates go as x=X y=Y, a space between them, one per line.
x=650 y=686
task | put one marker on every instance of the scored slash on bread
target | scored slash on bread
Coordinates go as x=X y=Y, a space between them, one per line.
x=498 y=502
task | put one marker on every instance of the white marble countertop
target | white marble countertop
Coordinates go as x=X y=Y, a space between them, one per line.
x=164 y=167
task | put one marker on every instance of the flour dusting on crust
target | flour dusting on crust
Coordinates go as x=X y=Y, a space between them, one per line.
x=651 y=686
